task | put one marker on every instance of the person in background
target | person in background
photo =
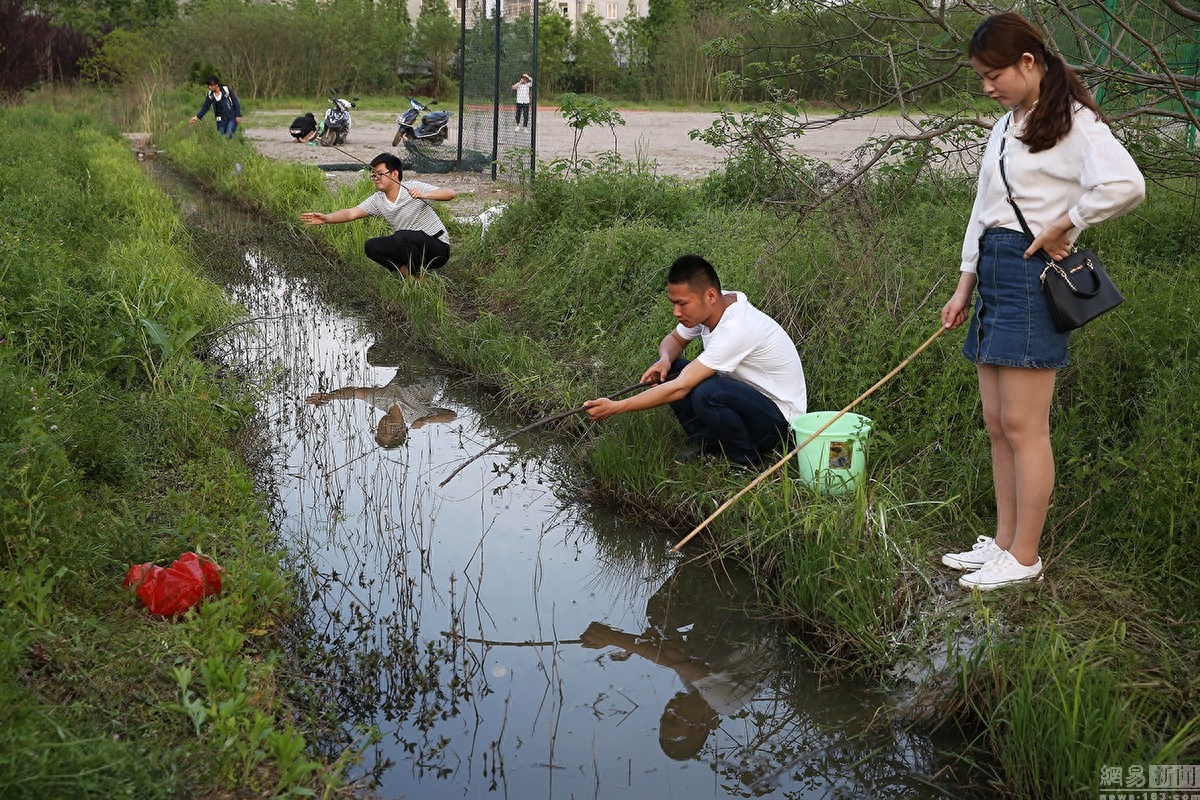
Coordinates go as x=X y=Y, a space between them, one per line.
x=225 y=106
x=304 y=128
x=524 y=89
x=420 y=240
x=1067 y=172
x=738 y=396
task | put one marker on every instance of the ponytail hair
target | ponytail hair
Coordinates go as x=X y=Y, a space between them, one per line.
x=999 y=42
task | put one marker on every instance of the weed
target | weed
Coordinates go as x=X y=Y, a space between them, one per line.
x=116 y=450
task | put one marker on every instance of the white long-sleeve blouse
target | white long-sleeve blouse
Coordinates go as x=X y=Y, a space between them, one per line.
x=1088 y=175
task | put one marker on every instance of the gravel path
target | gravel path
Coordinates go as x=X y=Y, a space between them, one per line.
x=661 y=137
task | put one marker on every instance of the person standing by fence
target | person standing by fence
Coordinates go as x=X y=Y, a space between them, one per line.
x=524 y=90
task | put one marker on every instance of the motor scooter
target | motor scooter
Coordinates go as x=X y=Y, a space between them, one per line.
x=434 y=126
x=336 y=126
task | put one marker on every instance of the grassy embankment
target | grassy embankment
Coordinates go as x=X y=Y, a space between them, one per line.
x=118 y=446
x=563 y=300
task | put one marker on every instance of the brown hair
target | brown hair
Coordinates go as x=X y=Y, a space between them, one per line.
x=999 y=42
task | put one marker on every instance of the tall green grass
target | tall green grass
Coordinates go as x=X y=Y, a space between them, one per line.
x=117 y=446
x=563 y=299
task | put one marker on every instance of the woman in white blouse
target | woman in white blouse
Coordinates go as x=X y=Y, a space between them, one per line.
x=1067 y=172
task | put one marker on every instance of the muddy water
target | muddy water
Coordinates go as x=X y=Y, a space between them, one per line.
x=500 y=638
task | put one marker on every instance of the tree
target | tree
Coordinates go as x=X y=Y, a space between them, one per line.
x=595 y=62
x=123 y=57
x=435 y=42
x=580 y=111
x=862 y=56
x=34 y=49
x=96 y=17
x=554 y=41
x=631 y=48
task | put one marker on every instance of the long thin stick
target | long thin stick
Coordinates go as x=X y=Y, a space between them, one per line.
x=537 y=424
x=941 y=329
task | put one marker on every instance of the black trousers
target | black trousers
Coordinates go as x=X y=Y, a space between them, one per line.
x=413 y=250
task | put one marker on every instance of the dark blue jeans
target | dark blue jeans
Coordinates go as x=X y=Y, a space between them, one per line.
x=227 y=126
x=725 y=415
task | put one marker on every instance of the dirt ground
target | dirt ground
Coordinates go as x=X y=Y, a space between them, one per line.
x=651 y=136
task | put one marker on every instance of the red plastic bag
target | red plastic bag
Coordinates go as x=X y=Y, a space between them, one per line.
x=170 y=591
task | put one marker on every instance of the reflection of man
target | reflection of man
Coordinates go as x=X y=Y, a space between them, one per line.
x=403 y=406
x=698 y=630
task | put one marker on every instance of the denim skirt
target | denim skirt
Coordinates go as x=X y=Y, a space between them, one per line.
x=1012 y=326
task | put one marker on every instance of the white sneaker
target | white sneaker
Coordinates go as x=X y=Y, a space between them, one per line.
x=1003 y=570
x=983 y=551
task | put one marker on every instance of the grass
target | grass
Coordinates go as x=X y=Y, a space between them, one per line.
x=562 y=299
x=119 y=446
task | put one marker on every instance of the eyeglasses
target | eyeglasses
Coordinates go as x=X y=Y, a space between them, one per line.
x=375 y=176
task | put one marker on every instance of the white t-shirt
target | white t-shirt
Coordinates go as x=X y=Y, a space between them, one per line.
x=407 y=213
x=749 y=346
x=523 y=93
x=1087 y=175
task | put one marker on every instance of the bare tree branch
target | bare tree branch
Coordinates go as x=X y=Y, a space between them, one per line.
x=911 y=57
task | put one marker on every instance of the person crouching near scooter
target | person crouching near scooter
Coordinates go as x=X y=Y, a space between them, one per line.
x=420 y=241
x=304 y=128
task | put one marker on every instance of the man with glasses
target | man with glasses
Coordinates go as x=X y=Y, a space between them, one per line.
x=420 y=240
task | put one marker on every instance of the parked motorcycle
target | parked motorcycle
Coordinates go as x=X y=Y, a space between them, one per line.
x=336 y=127
x=433 y=128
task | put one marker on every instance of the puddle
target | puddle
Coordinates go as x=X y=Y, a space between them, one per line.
x=504 y=639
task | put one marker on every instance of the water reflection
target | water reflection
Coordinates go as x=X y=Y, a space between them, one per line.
x=403 y=401
x=503 y=639
x=697 y=626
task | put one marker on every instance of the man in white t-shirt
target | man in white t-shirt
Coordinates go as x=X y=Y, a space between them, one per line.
x=739 y=394
x=420 y=240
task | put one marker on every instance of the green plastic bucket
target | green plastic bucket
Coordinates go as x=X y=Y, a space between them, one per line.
x=834 y=461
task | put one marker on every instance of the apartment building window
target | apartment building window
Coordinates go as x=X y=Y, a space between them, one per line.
x=612 y=10
x=566 y=12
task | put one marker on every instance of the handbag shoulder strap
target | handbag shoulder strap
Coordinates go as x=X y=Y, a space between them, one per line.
x=1008 y=195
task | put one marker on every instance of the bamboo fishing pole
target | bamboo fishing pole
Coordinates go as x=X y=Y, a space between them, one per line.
x=538 y=424
x=772 y=469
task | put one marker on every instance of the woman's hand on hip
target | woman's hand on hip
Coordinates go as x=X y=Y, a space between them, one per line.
x=1055 y=240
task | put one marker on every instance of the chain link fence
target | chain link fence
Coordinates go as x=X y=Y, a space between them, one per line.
x=495 y=126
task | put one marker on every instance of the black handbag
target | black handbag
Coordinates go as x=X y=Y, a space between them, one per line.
x=1077 y=289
